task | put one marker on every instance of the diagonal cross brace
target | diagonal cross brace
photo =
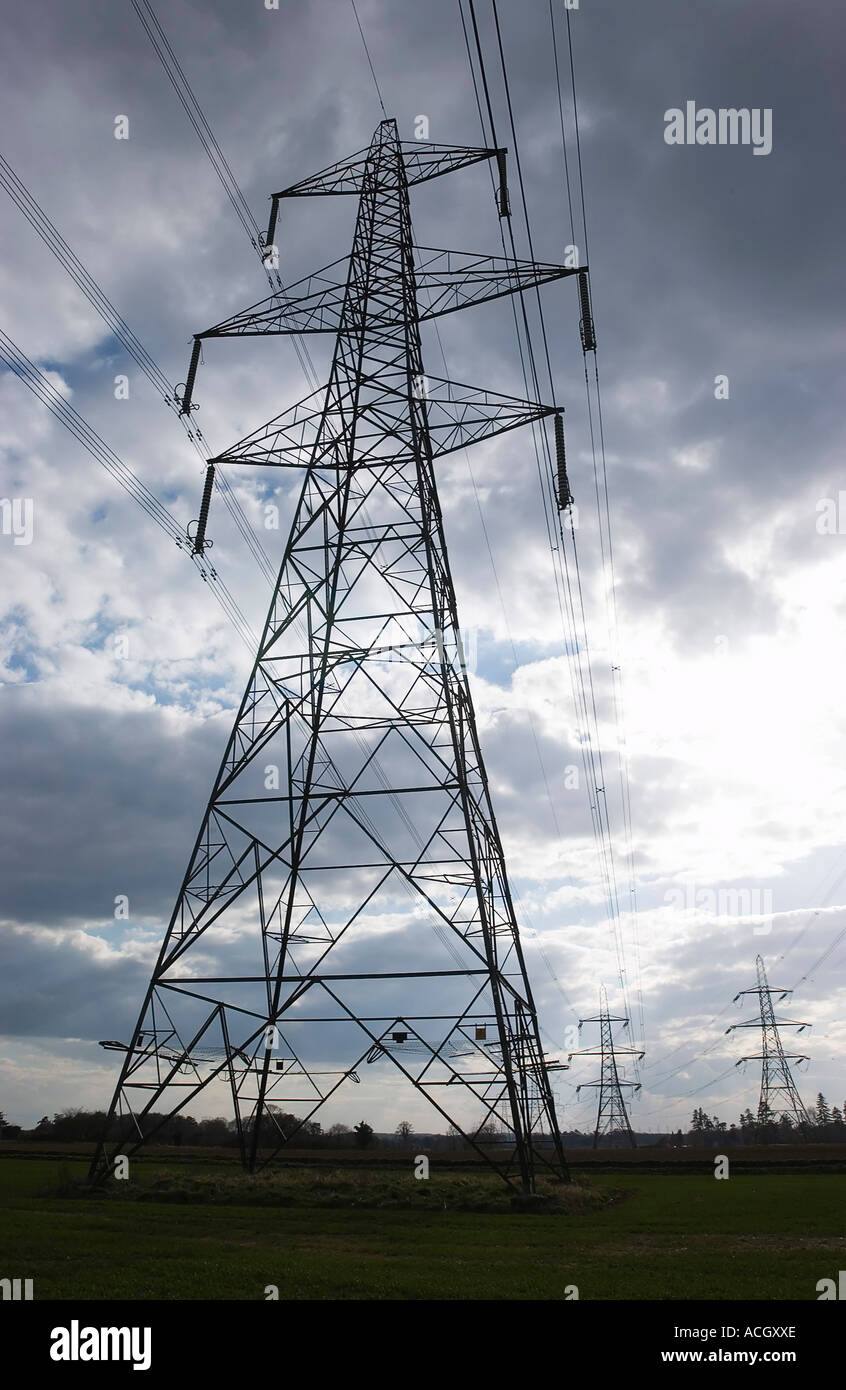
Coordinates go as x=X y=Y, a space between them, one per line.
x=458 y=415
x=446 y=282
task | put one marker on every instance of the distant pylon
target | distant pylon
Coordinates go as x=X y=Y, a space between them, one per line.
x=611 y=1118
x=779 y=1094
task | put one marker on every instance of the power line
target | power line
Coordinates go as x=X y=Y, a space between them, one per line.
x=673 y=1100
x=369 y=60
x=578 y=136
x=572 y=642
x=821 y=959
x=614 y=632
x=586 y=702
x=599 y=790
x=561 y=120
x=194 y=111
x=483 y=75
x=44 y=390
x=53 y=239
x=523 y=912
x=180 y=85
x=117 y=325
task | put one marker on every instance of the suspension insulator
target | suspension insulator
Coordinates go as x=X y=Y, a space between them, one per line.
x=565 y=497
x=185 y=408
x=200 y=542
x=586 y=325
x=271 y=228
x=503 y=201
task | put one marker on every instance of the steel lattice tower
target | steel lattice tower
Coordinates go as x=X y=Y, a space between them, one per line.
x=779 y=1094
x=347 y=896
x=611 y=1117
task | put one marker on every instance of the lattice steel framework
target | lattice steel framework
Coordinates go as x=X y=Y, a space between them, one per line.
x=347 y=896
x=779 y=1093
x=611 y=1117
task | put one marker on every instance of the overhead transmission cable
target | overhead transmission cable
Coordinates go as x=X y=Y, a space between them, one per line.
x=821 y=959
x=597 y=771
x=572 y=644
x=574 y=641
x=43 y=388
x=117 y=325
x=53 y=239
x=831 y=881
x=46 y=392
x=532 y=725
x=369 y=61
x=194 y=111
x=191 y=105
x=614 y=629
x=603 y=514
x=616 y=669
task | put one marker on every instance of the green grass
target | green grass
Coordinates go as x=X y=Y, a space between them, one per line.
x=378 y=1188
x=682 y=1236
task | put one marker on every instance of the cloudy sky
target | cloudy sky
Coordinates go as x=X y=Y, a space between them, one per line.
x=706 y=262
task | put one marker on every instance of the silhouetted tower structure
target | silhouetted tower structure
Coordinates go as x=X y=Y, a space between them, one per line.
x=611 y=1117
x=779 y=1094
x=346 y=905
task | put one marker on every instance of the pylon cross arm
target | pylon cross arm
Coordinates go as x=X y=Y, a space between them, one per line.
x=451 y=280
x=457 y=415
x=310 y=305
x=446 y=281
x=423 y=161
x=343 y=177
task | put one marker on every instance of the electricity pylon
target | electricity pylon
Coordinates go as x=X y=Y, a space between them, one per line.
x=346 y=903
x=779 y=1093
x=611 y=1116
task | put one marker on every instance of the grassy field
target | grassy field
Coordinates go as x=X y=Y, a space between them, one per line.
x=635 y=1236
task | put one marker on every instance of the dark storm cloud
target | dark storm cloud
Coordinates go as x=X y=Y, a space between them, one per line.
x=63 y=985
x=104 y=804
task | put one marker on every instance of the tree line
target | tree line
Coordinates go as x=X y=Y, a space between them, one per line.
x=75 y=1125
x=827 y=1125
